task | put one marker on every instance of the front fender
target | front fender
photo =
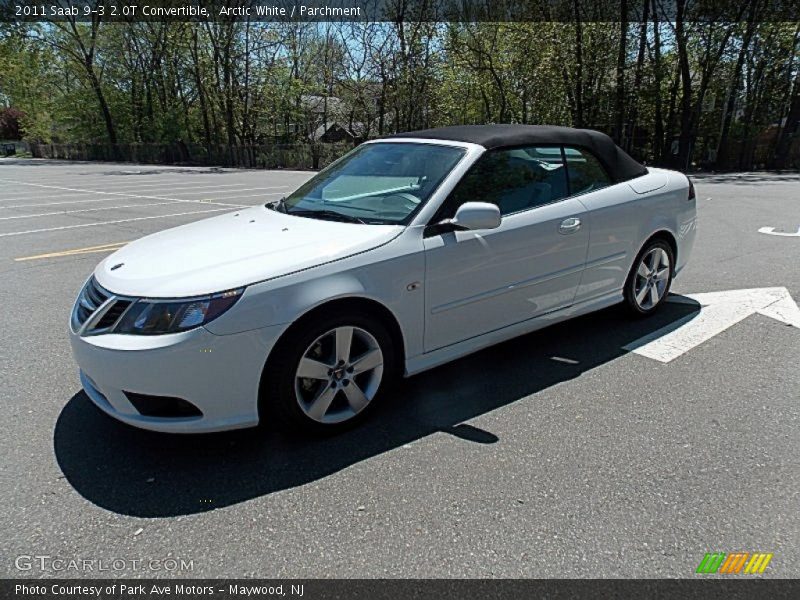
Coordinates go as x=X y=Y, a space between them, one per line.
x=265 y=305
x=283 y=301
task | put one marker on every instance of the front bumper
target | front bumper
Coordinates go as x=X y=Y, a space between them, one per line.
x=218 y=374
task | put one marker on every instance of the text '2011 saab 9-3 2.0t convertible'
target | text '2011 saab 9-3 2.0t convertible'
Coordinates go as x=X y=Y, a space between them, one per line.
x=408 y=252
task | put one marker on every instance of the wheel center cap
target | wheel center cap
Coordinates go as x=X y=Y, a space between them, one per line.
x=338 y=373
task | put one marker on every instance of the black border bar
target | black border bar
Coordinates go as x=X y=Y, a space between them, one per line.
x=728 y=11
x=394 y=589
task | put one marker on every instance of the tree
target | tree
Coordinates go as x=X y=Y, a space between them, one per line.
x=670 y=88
x=11 y=123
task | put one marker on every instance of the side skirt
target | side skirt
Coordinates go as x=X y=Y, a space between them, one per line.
x=429 y=360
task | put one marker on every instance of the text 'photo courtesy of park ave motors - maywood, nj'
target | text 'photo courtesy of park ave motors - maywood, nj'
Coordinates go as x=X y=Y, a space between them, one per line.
x=158 y=590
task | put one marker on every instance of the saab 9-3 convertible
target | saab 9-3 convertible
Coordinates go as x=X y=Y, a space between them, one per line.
x=407 y=252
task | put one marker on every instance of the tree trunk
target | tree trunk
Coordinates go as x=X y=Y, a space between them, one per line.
x=86 y=59
x=669 y=134
x=730 y=105
x=579 y=118
x=201 y=94
x=101 y=99
x=637 y=78
x=619 y=105
x=685 y=135
x=789 y=129
x=658 y=129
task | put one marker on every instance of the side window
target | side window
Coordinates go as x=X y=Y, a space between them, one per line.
x=586 y=174
x=514 y=180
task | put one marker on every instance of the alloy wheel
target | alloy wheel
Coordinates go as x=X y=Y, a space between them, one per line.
x=652 y=278
x=339 y=374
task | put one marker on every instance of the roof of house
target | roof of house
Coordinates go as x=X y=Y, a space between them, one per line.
x=324 y=128
x=620 y=166
x=314 y=103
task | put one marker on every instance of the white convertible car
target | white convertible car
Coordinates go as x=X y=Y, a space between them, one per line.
x=408 y=252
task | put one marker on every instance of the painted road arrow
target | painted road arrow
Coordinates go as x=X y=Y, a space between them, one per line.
x=771 y=231
x=718 y=312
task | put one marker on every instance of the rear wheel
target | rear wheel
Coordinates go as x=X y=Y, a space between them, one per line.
x=650 y=278
x=328 y=373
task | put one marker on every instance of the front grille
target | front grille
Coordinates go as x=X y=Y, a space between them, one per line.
x=87 y=317
x=113 y=314
x=91 y=298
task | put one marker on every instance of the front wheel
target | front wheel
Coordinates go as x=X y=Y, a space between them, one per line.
x=326 y=375
x=650 y=278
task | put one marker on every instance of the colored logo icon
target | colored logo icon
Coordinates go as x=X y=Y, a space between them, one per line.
x=734 y=563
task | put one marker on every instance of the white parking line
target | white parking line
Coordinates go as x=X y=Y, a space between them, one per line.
x=75 y=202
x=36 y=194
x=82 y=210
x=116 y=196
x=104 y=193
x=274 y=187
x=169 y=185
x=195 y=212
x=150 y=183
x=33 y=194
x=253 y=195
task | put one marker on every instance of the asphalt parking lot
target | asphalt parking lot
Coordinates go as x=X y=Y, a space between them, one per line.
x=589 y=449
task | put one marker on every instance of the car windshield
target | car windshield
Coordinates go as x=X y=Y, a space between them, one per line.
x=380 y=183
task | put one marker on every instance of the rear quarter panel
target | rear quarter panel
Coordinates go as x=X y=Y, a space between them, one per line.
x=622 y=219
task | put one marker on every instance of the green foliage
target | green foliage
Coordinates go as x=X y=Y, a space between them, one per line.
x=243 y=84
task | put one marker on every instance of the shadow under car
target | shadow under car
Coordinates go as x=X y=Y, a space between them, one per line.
x=146 y=474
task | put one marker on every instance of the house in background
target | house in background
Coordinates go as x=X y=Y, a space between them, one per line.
x=328 y=120
x=335 y=131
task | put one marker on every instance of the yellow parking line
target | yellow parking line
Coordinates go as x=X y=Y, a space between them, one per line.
x=75 y=251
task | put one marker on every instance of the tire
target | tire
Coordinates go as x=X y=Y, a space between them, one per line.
x=650 y=278
x=344 y=381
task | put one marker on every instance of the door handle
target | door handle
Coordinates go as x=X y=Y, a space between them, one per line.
x=570 y=225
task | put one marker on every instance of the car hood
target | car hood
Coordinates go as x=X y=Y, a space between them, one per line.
x=232 y=250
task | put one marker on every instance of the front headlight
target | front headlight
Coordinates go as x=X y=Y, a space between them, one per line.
x=157 y=317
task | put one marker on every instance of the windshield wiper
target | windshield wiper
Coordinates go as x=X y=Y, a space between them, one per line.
x=278 y=205
x=330 y=215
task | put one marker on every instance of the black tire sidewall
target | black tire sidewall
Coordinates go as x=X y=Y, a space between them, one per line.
x=278 y=402
x=629 y=294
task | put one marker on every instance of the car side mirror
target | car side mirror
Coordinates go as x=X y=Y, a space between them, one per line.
x=477 y=215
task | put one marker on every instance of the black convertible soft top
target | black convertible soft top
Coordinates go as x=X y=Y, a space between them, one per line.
x=620 y=166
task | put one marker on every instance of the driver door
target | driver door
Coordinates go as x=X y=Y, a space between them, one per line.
x=481 y=281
